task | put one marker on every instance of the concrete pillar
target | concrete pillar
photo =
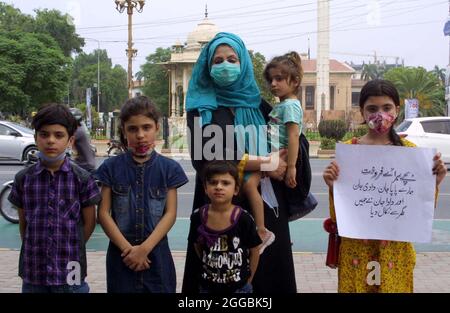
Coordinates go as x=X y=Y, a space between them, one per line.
x=185 y=86
x=172 y=92
x=323 y=58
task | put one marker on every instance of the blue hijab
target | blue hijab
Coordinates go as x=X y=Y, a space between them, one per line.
x=243 y=95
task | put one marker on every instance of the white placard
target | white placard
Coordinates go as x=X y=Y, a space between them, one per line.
x=385 y=192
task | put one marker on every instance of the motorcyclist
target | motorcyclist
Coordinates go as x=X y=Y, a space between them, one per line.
x=85 y=156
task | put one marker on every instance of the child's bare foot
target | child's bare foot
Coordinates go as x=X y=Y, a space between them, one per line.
x=267 y=238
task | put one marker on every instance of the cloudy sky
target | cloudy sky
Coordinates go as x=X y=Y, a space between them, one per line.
x=408 y=29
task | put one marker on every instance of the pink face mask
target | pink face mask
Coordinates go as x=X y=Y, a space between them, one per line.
x=380 y=122
x=141 y=151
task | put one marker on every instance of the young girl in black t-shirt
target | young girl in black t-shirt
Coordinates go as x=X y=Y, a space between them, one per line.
x=224 y=235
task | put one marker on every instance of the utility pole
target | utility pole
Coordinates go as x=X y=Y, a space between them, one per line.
x=322 y=96
x=98 y=72
x=121 y=5
x=98 y=77
x=447 y=74
x=309 y=50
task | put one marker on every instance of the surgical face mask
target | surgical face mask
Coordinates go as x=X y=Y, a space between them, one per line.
x=225 y=73
x=380 y=122
x=50 y=160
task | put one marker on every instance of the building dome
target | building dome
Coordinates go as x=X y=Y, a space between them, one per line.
x=204 y=32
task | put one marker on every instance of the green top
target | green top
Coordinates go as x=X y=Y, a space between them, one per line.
x=287 y=111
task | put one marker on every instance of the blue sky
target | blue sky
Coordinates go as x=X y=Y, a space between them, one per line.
x=409 y=29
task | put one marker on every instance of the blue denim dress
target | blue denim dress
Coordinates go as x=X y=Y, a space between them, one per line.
x=139 y=193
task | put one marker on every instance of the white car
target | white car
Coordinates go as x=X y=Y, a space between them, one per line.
x=16 y=141
x=429 y=132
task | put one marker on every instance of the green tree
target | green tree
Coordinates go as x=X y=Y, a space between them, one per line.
x=372 y=71
x=56 y=24
x=156 y=77
x=33 y=71
x=439 y=73
x=11 y=19
x=35 y=60
x=113 y=80
x=116 y=89
x=259 y=63
x=51 y=22
x=94 y=114
x=416 y=82
x=84 y=72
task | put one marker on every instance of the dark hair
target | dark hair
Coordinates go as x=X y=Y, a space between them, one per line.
x=218 y=167
x=382 y=88
x=52 y=114
x=140 y=105
x=290 y=65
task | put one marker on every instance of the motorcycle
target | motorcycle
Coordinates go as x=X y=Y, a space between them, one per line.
x=115 y=147
x=7 y=209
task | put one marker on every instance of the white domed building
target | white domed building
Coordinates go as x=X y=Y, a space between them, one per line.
x=182 y=60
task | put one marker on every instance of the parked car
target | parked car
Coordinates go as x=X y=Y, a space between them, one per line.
x=430 y=132
x=16 y=141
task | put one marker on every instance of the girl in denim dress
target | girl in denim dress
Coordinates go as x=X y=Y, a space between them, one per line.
x=139 y=204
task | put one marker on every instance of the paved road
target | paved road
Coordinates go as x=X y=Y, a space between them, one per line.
x=432 y=272
x=307 y=234
x=318 y=187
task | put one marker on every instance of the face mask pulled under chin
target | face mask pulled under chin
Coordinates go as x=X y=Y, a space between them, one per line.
x=225 y=73
x=50 y=160
x=141 y=151
x=380 y=122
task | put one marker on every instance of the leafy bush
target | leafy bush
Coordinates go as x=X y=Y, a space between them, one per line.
x=312 y=135
x=15 y=118
x=327 y=143
x=360 y=131
x=335 y=129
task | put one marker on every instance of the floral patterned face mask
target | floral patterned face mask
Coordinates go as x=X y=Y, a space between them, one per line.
x=381 y=122
x=141 y=151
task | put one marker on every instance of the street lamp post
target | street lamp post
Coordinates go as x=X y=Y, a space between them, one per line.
x=121 y=5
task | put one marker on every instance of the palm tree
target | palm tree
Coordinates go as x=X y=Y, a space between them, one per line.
x=372 y=71
x=419 y=84
x=439 y=73
x=139 y=76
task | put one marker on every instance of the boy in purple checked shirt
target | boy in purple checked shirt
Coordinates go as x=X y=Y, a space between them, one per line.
x=56 y=201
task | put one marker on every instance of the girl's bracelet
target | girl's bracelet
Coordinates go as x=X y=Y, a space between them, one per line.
x=241 y=166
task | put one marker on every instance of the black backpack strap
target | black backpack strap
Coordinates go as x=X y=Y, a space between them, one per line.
x=304 y=175
x=20 y=176
x=80 y=172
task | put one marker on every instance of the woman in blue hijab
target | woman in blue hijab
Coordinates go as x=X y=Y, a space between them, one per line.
x=223 y=76
x=223 y=94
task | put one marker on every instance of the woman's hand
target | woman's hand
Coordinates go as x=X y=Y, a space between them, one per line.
x=278 y=161
x=290 y=180
x=439 y=168
x=331 y=173
x=136 y=258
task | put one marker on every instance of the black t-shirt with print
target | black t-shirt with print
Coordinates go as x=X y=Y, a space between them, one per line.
x=225 y=265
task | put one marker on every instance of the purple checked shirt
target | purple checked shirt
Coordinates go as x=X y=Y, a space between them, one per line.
x=52 y=207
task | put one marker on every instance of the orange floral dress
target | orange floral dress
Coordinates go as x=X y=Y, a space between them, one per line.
x=396 y=261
